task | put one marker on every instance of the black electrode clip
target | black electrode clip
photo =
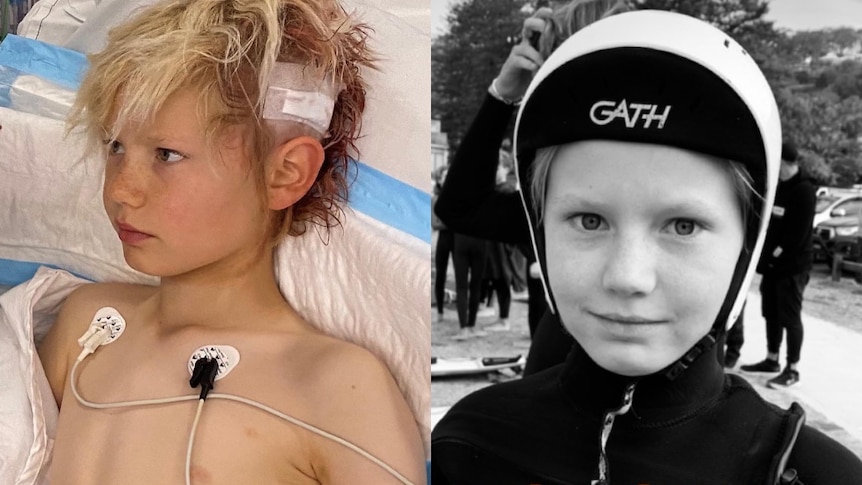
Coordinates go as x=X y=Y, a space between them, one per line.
x=204 y=375
x=790 y=477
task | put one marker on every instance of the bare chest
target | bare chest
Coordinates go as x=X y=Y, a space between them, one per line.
x=233 y=442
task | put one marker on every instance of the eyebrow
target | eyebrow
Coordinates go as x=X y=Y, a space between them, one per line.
x=574 y=198
x=675 y=205
x=157 y=138
x=691 y=206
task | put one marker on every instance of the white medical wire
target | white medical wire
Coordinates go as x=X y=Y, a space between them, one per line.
x=123 y=404
x=230 y=397
x=192 y=442
x=316 y=430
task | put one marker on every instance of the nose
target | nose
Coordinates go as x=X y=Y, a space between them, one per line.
x=630 y=268
x=125 y=181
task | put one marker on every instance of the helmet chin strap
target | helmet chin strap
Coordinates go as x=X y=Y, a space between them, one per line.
x=702 y=346
x=722 y=321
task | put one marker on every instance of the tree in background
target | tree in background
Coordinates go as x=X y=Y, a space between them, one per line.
x=736 y=17
x=818 y=95
x=466 y=59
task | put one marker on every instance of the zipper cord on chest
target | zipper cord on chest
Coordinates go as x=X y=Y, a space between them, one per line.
x=607 y=426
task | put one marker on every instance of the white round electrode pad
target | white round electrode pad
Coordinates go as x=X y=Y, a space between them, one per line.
x=226 y=356
x=110 y=318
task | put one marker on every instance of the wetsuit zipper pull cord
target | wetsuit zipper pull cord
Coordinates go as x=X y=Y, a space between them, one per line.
x=607 y=426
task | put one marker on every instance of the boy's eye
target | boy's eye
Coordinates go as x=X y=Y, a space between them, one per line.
x=169 y=156
x=115 y=147
x=589 y=222
x=683 y=227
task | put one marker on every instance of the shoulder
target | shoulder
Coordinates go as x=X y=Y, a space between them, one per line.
x=804 y=187
x=527 y=391
x=82 y=304
x=334 y=350
x=505 y=433
x=520 y=407
x=342 y=378
x=819 y=459
x=60 y=347
x=352 y=383
x=354 y=396
x=98 y=295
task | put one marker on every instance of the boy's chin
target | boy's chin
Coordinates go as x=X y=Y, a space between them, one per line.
x=149 y=269
x=629 y=364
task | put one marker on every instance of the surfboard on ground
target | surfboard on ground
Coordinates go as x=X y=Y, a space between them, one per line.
x=456 y=366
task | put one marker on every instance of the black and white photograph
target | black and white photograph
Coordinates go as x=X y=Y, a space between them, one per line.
x=647 y=258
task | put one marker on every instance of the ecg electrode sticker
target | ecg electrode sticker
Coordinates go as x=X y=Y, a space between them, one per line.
x=226 y=356
x=110 y=318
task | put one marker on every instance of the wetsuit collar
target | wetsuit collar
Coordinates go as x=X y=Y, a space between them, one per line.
x=593 y=390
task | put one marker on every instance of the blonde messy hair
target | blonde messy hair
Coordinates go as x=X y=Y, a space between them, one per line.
x=226 y=50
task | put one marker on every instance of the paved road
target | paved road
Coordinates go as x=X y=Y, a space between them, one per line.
x=830 y=368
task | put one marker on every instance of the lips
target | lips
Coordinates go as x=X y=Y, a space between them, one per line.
x=131 y=235
x=627 y=319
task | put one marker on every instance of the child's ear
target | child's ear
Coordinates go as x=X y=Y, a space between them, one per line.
x=291 y=171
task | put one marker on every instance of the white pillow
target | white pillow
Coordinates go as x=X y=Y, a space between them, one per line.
x=28 y=412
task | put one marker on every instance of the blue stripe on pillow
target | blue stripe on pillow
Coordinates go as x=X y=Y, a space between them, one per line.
x=56 y=64
x=16 y=272
x=391 y=202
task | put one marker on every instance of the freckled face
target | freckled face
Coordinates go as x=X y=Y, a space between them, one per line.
x=177 y=203
x=641 y=242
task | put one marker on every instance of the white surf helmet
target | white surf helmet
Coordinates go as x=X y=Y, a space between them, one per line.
x=665 y=78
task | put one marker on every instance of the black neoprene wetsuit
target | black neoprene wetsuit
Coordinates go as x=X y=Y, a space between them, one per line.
x=703 y=428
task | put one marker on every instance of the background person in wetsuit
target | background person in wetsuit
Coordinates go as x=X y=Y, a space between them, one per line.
x=443 y=248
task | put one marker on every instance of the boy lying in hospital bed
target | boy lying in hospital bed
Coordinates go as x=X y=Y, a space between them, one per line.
x=200 y=189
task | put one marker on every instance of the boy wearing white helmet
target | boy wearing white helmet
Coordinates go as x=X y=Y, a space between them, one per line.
x=647 y=150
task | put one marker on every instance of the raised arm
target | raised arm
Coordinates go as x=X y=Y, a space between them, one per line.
x=469 y=203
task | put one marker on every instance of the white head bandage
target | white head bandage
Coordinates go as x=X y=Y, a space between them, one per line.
x=295 y=93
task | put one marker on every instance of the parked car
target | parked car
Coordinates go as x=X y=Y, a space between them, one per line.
x=839 y=234
x=836 y=204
